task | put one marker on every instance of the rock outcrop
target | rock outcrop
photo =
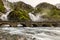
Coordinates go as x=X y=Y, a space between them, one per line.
x=20 y=11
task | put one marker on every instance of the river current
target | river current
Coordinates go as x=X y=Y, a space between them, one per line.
x=35 y=33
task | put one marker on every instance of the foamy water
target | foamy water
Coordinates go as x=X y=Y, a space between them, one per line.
x=38 y=33
x=37 y=17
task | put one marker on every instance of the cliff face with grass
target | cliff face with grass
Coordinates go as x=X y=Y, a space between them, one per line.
x=50 y=11
x=2 y=8
x=20 y=11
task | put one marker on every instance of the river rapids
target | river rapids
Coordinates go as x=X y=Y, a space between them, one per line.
x=35 y=33
x=30 y=33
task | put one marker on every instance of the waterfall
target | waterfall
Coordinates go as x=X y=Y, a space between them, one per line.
x=4 y=16
x=8 y=9
x=37 y=17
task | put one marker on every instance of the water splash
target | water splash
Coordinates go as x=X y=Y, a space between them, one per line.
x=4 y=16
x=37 y=17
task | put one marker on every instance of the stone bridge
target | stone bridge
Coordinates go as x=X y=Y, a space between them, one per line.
x=30 y=24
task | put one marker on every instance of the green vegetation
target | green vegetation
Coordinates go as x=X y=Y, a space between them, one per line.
x=2 y=8
x=50 y=11
x=54 y=14
x=20 y=15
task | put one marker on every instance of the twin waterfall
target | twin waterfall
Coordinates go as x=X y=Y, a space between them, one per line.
x=30 y=33
x=4 y=17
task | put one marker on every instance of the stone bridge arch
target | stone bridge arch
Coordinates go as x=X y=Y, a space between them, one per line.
x=30 y=24
x=54 y=24
x=23 y=24
x=45 y=25
x=34 y=25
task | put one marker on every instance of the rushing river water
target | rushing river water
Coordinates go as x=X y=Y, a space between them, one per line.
x=35 y=33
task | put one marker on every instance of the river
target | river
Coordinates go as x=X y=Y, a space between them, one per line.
x=35 y=33
x=31 y=33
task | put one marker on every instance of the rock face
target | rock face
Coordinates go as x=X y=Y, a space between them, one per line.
x=22 y=5
x=20 y=11
x=2 y=8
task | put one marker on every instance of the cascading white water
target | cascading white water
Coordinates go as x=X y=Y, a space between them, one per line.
x=4 y=16
x=8 y=9
x=36 y=18
x=38 y=33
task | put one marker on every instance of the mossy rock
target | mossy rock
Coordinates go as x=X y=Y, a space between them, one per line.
x=20 y=15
